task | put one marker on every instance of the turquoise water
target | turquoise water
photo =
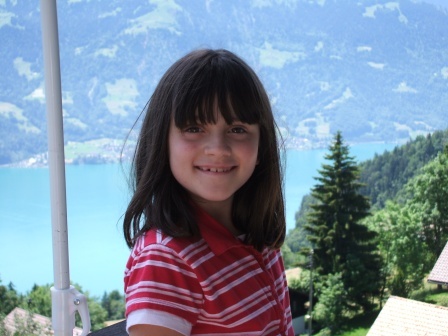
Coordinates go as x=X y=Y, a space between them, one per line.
x=96 y=200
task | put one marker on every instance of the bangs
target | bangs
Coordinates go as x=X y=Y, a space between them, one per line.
x=218 y=85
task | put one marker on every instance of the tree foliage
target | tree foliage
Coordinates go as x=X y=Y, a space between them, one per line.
x=403 y=247
x=38 y=301
x=114 y=305
x=385 y=176
x=429 y=192
x=410 y=222
x=9 y=298
x=341 y=243
x=290 y=258
x=329 y=312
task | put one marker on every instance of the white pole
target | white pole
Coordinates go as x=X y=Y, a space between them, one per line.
x=55 y=143
x=310 y=321
x=65 y=299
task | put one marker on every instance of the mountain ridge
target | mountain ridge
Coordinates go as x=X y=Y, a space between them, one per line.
x=376 y=70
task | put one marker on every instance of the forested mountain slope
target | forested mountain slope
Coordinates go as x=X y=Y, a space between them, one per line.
x=384 y=177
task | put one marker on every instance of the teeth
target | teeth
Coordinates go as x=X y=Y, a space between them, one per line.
x=216 y=170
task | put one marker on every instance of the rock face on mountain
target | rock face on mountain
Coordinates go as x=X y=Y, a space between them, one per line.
x=376 y=70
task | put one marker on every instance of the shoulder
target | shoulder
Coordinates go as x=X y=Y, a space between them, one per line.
x=158 y=277
x=156 y=239
x=157 y=249
x=272 y=256
x=274 y=264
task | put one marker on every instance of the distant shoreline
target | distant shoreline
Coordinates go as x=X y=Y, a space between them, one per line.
x=107 y=151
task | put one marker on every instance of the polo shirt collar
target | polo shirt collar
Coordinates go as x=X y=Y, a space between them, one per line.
x=216 y=235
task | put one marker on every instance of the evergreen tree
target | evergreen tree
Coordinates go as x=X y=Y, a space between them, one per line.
x=385 y=175
x=9 y=298
x=341 y=243
x=114 y=304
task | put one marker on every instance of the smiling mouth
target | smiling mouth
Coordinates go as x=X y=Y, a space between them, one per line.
x=215 y=170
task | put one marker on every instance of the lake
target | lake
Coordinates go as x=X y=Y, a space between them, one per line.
x=96 y=200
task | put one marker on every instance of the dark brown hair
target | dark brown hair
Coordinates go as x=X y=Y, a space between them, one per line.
x=189 y=91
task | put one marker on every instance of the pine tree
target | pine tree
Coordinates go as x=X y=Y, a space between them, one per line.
x=340 y=242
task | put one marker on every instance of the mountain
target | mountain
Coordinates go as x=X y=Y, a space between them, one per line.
x=376 y=70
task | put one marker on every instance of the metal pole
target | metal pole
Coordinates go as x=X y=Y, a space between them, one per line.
x=310 y=314
x=55 y=144
x=56 y=162
x=65 y=299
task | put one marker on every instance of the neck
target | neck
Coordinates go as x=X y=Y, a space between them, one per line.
x=222 y=212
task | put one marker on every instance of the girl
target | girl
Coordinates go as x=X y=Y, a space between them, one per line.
x=206 y=219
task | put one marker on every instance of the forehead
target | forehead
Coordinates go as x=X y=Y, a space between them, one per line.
x=215 y=115
x=210 y=109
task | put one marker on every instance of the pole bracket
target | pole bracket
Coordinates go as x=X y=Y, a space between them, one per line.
x=69 y=300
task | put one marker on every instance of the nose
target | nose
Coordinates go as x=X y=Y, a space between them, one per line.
x=218 y=145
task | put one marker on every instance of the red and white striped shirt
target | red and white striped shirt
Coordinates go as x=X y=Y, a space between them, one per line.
x=215 y=285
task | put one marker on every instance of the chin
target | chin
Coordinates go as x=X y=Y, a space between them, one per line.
x=212 y=198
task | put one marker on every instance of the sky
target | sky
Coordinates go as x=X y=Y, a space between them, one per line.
x=442 y=3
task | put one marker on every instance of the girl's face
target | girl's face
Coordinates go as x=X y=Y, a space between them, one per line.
x=212 y=161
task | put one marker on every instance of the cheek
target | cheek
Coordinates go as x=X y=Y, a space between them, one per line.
x=181 y=157
x=252 y=151
x=180 y=151
x=175 y=165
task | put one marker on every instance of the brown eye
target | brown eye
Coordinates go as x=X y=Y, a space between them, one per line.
x=192 y=129
x=238 y=130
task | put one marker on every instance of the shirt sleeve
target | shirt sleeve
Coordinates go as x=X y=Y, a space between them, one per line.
x=156 y=278
x=158 y=318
